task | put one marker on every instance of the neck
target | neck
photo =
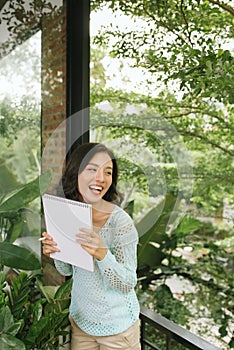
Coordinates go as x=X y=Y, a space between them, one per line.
x=100 y=205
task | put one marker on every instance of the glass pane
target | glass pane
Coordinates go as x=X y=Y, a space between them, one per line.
x=21 y=57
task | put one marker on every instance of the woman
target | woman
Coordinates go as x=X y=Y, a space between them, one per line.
x=104 y=310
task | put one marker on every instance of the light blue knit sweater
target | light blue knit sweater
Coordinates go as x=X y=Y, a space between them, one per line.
x=104 y=302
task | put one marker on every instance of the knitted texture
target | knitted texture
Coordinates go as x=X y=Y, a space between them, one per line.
x=104 y=302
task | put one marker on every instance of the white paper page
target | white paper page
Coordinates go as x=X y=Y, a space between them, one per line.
x=63 y=218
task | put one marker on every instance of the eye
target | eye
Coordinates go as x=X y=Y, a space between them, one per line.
x=109 y=172
x=92 y=169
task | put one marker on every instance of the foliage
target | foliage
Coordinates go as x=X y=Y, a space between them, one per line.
x=208 y=268
x=18 y=257
x=212 y=148
x=153 y=234
x=20 y=105
x=23 y=21
x=30 y=318
x=17 y=116
x=12 y=207
x=33 y=316
x=20 y=136
x=180 y=41
x=188 y=54
x=19 y=217
x=161 y=300
x=185 y=50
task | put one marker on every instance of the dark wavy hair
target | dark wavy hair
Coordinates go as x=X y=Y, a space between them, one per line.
x=76 y=163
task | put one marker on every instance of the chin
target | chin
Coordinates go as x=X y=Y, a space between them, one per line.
x=92 y=200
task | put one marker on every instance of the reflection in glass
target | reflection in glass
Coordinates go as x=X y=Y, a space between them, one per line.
x=20 y=112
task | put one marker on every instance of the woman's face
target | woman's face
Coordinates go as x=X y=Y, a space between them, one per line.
x=96 y=178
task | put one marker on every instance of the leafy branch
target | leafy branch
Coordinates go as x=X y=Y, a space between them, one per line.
x=223 y=6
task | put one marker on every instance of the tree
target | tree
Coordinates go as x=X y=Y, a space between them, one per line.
x=20 y=109
x=185 y=47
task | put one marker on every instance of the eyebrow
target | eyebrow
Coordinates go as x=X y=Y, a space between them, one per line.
x=94 y=164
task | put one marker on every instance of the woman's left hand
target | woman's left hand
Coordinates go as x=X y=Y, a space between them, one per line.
x=92 y=243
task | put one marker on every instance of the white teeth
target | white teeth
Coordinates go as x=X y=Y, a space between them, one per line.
x=96 y=188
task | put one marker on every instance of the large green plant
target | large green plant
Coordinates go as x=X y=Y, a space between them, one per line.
x=210 y=273
x=31 y=316
x=14 y=202
x=156 y=243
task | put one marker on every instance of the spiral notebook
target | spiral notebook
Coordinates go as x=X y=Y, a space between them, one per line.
x=63 y=218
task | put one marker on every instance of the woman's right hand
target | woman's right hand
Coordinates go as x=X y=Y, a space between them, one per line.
x=49 y=245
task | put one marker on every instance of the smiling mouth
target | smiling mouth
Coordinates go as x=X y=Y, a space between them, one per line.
x=96 y=188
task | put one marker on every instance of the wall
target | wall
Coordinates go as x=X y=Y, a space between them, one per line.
x=53 y=81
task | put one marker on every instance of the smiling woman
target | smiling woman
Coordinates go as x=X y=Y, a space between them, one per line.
x=96 y=178
x=104 y=310
x=82 y=162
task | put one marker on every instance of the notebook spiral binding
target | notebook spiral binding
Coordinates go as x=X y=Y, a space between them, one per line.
x=65 y=200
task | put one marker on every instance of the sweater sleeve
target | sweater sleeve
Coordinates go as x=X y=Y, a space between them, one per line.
x=119 y=265
x=63 y=268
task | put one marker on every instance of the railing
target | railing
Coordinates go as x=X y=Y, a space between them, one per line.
x=172 y=332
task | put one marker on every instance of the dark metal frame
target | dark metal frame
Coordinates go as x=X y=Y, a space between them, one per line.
x=172 y=332
x=77 y=72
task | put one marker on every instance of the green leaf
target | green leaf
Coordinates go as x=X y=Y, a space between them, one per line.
x=18 y=257
x=38 y=330
x=154 y=225
x=64 y=290
x=129 y=208
x=223 y=331
x=146 y=227
x=25 y=194
x=37 y=310
x=231 y=343
x=151 y=256
x=13 y=330
x=9 y=342
x=6 y=319
x=188 y=225
x=16 y=231
x=48 y=291
x=2 y=278
x=8 y=180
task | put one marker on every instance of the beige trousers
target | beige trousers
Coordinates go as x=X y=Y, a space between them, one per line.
x=127 y=340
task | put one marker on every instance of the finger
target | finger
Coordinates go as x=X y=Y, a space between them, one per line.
x=86 y=230
x=88 y=233
x=47 y=236
x=86 y=242
x=90 y=243
x=84 y=238
x=83 y=235
x=48 y=239
x=48 y=249
x=88 y=249
x=48 y=242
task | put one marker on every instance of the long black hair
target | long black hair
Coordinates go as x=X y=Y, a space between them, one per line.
x=76 y=163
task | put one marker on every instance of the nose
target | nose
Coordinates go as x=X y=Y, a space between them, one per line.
x=100 y=175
